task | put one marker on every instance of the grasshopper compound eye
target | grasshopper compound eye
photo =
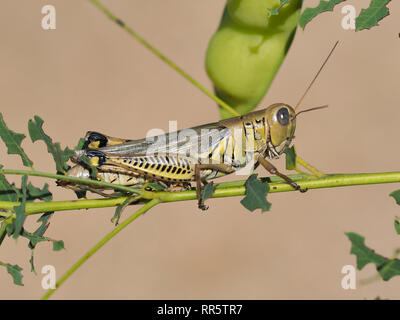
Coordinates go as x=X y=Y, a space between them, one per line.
x=283 y=116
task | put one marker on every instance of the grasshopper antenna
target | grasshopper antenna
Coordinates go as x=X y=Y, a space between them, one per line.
x=316 y=76
x=312 y=109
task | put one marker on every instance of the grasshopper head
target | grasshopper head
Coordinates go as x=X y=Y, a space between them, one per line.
x=281 y=120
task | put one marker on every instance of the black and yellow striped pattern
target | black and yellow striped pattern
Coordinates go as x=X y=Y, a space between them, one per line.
x=169 y=168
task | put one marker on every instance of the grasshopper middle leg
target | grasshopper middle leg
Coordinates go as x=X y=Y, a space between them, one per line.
x=197 y=170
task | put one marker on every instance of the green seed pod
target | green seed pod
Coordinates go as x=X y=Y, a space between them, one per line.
x=248 y=48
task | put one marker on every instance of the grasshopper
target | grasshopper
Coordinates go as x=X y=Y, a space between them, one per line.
x=197 y=154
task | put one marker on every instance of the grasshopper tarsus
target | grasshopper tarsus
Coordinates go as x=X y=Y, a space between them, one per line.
x=298 y=188
x=203 y=207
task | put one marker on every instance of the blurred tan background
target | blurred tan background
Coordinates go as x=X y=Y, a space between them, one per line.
x=88 y=74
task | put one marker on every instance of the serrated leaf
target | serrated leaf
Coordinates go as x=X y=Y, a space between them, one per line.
x=290 y=158
x=396 y=196
x=20 y=210
x=387 y=268
x=58 y=245
x=8 y=192
x=120 y=208
x=370 y=17
x=34 y=239
x=397 y=225
x=13 y=142
x=3 y=228
x=80 y=145
x=256 y=193
x=209 y=190
x=310 y=13
x=34 y=193
x=38 y=235
x=60 y=156
x=44 y=220
x=15 y=272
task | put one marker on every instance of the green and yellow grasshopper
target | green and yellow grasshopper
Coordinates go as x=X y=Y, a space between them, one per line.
x=196 y=154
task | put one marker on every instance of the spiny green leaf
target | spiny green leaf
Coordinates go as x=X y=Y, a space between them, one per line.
x=44 y=220
x=387 y=268
x=58 y=245
x=38 y=234
x=60 y=156
x=20 y=210
x=397 y=225
x=15 y=272
x=3 y=228
x=209 y=190
x=13 y=142
x=256 y=193
x=370 y=17
x=290 y=158
x=8 y=192
x=80 y=145
x=37 y=193
x=34 y=239
x=396 y=196
x=120 y=208
x=310 y=13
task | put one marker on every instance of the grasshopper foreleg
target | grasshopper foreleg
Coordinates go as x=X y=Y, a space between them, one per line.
x=273 y=170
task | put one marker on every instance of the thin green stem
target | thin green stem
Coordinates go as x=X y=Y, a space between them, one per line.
x=309 y=167
x=135 y=35
x=225 y=189
x=100 y=244
x=102 y=184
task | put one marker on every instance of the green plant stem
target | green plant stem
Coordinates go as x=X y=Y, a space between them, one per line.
x=102 y=184
x=309 y=167
x=135 y=35
x=101 y=243
x=225 y=189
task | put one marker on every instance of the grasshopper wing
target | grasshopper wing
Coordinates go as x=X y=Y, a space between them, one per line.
x=193 y=142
